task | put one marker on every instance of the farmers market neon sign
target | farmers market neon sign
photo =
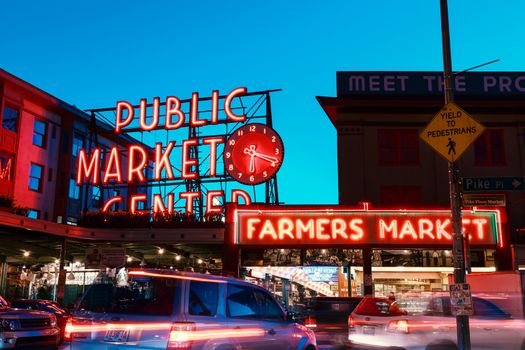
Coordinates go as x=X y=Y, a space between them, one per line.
x=128 y=165
x=343 y=227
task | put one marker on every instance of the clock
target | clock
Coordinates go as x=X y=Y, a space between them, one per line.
x=253 y=154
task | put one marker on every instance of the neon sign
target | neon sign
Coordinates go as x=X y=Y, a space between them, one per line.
x=119 y=165
x=343 y=227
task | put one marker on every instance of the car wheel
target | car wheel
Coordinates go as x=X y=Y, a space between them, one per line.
x=442 y=345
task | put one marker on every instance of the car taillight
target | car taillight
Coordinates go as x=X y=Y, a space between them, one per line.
x=68 y=330
x=310 y=322
x=351 y=322
x=399 y=326
x=180 y=336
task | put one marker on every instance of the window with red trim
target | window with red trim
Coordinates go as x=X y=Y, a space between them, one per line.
x=489 y=148
x=400 y=195
x=398 y=146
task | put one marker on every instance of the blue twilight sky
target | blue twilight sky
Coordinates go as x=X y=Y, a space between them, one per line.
x=94 y=53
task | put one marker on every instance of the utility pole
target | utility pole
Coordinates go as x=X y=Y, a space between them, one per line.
x=462 y=321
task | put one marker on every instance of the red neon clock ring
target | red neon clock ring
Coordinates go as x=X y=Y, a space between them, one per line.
x=253 y=154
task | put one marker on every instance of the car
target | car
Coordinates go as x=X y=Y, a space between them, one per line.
x=328 y=316
x=168 y=309
x=382 y=324
x=61 y=314
x=24 y=328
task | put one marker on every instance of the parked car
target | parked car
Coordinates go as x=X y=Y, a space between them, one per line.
x=61 y=314
x=23 y=328
x=328 y=317
x=158 y=309
x=381 y=323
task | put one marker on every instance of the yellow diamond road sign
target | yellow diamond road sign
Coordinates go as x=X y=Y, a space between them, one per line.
x=451 y=132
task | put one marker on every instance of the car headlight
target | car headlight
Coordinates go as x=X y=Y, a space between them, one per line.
x=53 y=320
x=9 y=325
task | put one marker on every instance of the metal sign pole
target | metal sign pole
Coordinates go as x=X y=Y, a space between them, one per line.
x=462 y=321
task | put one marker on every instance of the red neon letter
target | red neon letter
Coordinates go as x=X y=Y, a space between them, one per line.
x=93 y=169
x=358 y=231
x=136 y=169
x=309 y=227
x=440 y=228
x=339 y=228
x=251 y=227
x=319 y=232
x=227 y=105
x=143 y=111
x=383 y=228
x=188 y=162
x=215 y=107
x=408 y=229
x=158 y=205
x=210 y=208
x=268 y=229
x=285 y=227
x=479 y=227
x=189 y=199
x=243 y=194
x=119 y=123
x=173 y=110
x=136 y=198
x=425 y=228
x=213 y=141
x=194 y=111
x=112 y=201
x=113 y=161
x=163 y=161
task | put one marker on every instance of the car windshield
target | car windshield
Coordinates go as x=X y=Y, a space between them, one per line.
x=152 y=296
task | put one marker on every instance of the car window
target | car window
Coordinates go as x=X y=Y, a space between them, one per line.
x=142 y=295
x=203 y=298
x=241 y=301
x=379 y=307
x=268 y=307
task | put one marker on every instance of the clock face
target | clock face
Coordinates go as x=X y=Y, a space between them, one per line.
x=253 y=154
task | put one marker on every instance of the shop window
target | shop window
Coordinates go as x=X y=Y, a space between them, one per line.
x=6 y=167
x=10 y=118
x=74 y=189
x=36 y=173
x=96 y=196
x=398 y=146
x=241 y=302
x=203 y=298
x=489 y=149
x=33 y=214
x=400 y=195
x=39 y=133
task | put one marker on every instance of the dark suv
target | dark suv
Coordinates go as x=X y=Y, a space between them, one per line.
x=328 y=318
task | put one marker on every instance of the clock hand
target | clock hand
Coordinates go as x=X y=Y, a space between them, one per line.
x=251 y=152
x=270 y=159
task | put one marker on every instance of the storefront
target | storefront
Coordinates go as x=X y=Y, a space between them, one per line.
x=303 y=251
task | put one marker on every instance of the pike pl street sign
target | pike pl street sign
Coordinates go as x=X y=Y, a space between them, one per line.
x=480 y=184
x=451 y=132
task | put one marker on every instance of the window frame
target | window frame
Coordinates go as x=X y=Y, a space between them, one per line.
x=268 y=296
x=40 y=180
x=209 y=284
x=44 y=135
x=399 y=136
x=485 y=140
x=17 y=109
x=228 y=313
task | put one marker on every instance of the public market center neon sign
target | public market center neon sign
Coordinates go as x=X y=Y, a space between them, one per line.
x=90 y=167
x=294 y=227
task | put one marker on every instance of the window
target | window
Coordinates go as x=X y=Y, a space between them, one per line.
x=74 y=190
x=489 y=149
x=203 y=298
x=268 y=308
x=95 y=196
x=400 y=195
x=39 y=133
x=398 y=146
x=78 y=143
x=33 y=214
x=10 y=118
x=6 y=166
x=36 y=174
x=241 y=302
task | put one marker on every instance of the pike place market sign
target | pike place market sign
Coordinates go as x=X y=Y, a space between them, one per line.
x=306 y=226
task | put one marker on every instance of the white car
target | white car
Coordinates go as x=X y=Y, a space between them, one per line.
x=159 y=309
x=23 y=328
x=381 y=324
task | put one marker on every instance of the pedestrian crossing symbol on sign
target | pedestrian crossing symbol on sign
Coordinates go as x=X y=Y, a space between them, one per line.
x=451 y=132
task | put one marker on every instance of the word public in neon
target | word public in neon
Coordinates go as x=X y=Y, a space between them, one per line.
x=292 y=227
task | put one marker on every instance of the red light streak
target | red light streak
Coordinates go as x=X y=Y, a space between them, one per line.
x=174 y=276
